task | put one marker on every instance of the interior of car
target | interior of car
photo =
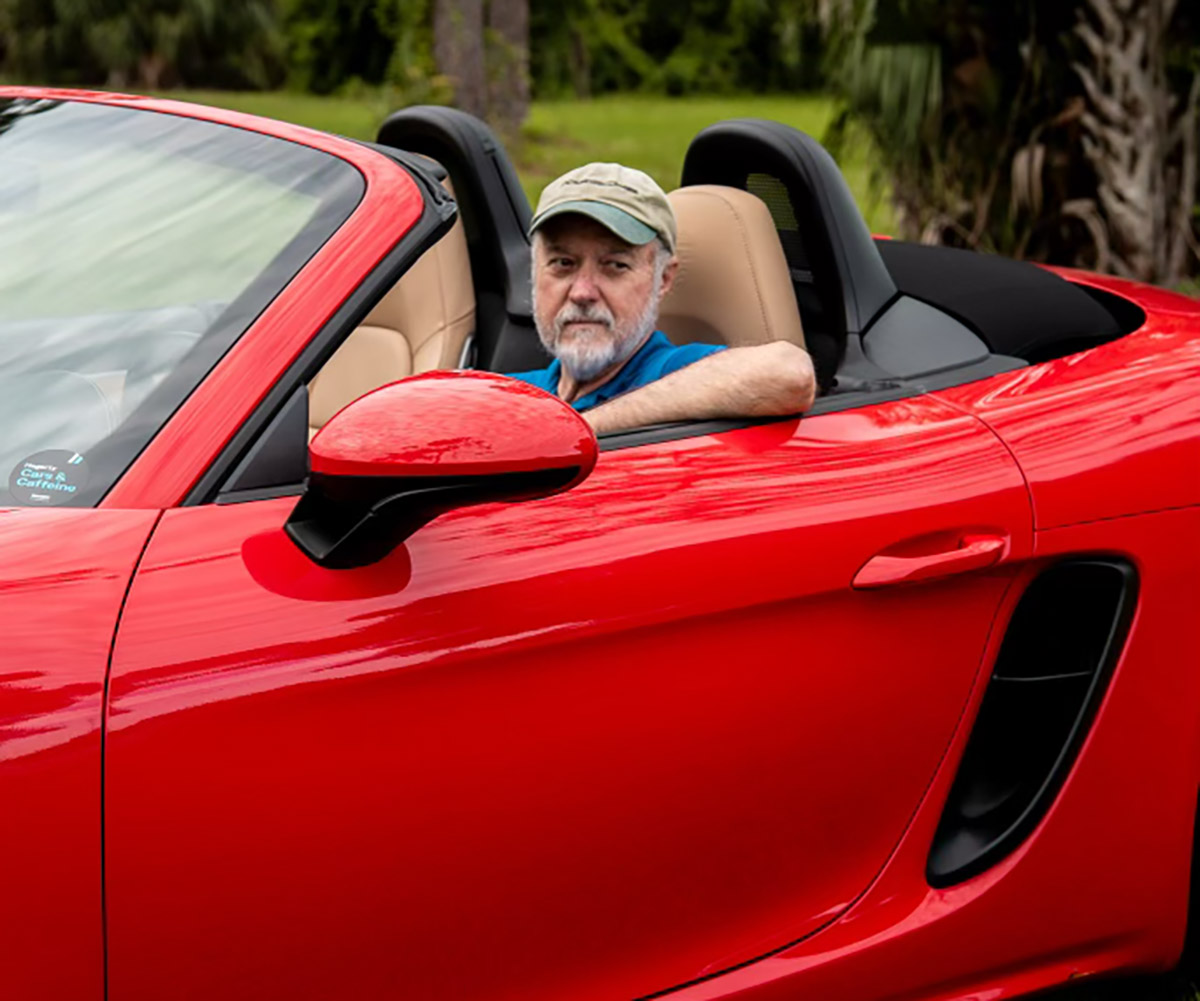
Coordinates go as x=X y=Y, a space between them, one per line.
x=425 y=321
x=772 y=247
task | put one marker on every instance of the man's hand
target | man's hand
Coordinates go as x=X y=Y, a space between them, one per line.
x=768 y=380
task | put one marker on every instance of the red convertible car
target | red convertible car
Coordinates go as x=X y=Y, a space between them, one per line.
x=321 y=684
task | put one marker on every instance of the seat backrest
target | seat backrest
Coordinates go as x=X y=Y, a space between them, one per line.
x=733 y=285
x=496 y=213
x=422 y=323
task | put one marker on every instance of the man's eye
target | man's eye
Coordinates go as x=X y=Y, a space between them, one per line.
x=618 y=266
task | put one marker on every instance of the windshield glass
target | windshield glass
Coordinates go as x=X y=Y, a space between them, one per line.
x=135 y=248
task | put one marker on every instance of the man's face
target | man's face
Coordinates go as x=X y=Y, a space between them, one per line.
x=595 y=296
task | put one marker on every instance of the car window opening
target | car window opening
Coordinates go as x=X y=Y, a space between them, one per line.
x=903 y=326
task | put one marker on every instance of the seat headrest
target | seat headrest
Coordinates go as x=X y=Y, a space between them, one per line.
x=733 y=285
x=433 y=305
x=422 y=323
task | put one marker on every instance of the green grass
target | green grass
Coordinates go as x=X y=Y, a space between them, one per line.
x=358 y=119
x=651 y=133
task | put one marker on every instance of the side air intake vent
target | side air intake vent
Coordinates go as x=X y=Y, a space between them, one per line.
x=1064 y=639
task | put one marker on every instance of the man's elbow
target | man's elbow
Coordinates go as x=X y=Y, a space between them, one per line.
x=793 y=381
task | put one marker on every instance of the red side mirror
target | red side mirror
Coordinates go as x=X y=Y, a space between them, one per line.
x=398 y=457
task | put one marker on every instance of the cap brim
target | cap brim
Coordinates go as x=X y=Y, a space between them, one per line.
x=617 y=221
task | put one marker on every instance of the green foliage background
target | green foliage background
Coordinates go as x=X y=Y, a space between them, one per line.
x=977 y=110
x=578 y=47
x=973 y=107
x=221 y=43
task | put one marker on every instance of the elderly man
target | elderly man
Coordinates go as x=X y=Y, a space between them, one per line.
x=603 y=258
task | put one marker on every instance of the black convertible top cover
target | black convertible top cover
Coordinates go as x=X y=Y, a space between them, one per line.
x=1018 y=309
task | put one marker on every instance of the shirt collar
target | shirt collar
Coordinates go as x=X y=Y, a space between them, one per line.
x=625 y=379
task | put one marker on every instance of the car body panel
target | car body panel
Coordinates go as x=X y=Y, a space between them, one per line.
x=532 y=754
x=1100 y=885
x=63 y=576
x=640 y=737
x=1110 y=431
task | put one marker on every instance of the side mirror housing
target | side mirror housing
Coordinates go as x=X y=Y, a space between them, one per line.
x=395 y=459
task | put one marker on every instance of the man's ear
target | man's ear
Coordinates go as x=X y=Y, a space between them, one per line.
x=669 y=273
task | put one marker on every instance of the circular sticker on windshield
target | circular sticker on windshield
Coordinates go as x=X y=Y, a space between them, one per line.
x=50 y=477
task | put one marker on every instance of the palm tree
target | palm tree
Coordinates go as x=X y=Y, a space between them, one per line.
x=1054 y=130
x=1141 y=137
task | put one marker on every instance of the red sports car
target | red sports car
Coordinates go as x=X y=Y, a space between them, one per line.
x=317 y=684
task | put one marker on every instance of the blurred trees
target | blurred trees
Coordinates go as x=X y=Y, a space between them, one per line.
x=458 y=52
x=473 y=53
x=146 y=44
x=332 y=41
x=1062 y=131
x=1141 y=134
x=584 y=47
x=578 y=47
x=507 y=43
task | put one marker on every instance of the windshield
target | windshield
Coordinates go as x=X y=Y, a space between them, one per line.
x=135 y=248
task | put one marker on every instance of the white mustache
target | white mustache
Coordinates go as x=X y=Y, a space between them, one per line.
x=574 y=313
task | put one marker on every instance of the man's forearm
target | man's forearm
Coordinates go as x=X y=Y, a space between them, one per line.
x=763 y=381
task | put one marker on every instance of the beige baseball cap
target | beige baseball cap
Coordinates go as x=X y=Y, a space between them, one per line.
x=624 y=200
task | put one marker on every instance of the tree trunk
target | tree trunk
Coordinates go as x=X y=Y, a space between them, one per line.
x=581 y=63
x=508 y=64
x=1139 y=138
x=458 y=51
x=151 y=67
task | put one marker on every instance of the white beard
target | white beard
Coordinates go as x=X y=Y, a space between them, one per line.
x=588 y=355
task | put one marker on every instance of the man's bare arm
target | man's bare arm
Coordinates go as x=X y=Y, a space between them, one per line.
x=767 y=380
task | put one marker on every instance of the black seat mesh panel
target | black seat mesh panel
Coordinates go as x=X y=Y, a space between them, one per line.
x=821 y=342
x=774 y=193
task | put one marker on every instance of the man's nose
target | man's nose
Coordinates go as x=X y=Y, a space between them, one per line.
x=583 y=288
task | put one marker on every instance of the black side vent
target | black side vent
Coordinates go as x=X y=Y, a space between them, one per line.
x=1064 y=639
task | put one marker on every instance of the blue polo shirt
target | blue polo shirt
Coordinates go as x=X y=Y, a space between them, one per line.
x=654 y=359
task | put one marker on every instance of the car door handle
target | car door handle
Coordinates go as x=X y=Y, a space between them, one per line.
x=930 y=557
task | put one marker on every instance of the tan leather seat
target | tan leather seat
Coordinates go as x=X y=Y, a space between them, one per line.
x=733 y=285
x=422 y=323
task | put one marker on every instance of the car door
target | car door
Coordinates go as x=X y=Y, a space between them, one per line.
x=63 y=574
x=138 y=242
x=590 y=746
